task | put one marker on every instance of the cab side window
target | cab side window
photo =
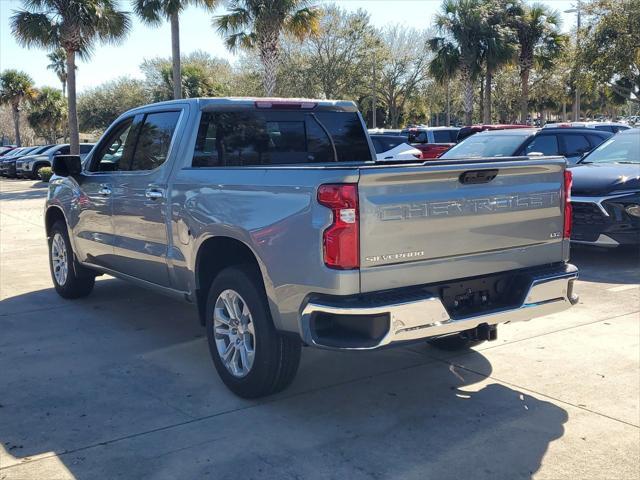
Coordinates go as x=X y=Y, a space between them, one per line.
x=114 y=152
x=154 y=140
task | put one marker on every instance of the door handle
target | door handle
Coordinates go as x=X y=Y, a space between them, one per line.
x=153 y=194
x=104 y=190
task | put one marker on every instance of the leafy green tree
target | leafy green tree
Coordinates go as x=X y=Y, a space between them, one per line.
x=404 y=69
x=498 y=47
x=462 y=22
x=48 y=114
x=539 y=40
x=610 y=46
x=100 y=106
x=58 y=59
x=260 y=23
x=444 y=67
x=16 y=88
x=154 y=12
x=341 y=53
x=201 y=76
x=75 y=26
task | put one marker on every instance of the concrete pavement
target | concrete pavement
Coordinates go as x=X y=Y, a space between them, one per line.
x=121 y=385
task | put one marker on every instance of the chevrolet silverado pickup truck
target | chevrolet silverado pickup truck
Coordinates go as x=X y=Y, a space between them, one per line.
x=275 y=220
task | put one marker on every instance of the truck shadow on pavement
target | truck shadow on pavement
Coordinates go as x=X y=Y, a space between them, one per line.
x=616 y=265
x=126 y=388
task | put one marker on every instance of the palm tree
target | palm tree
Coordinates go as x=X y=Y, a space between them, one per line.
x=75 y=26
x=58 y=64
x=539 y=40
x=498 y=47
x=259 y=23
x=462 y=20
x=16 y=88
x=154 y=11
x=444 y=66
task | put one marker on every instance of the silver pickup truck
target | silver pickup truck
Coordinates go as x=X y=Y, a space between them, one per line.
x=275 y=220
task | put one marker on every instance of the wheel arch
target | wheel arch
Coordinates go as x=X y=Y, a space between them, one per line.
x=51 y=216
x=219 y=252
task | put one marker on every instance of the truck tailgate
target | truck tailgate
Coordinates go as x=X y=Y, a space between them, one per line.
x=449 y=220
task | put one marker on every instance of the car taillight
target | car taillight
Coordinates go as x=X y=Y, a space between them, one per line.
x=341 y=240
x=568 y=180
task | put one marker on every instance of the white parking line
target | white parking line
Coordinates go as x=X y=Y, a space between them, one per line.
x=621 y=288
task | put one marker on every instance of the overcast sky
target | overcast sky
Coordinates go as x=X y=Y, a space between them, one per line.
x=110 y=62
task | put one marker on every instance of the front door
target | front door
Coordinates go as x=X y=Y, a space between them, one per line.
x=93 y=227
x=140 y=201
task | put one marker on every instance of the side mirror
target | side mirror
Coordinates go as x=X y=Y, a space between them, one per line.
x=67 y=165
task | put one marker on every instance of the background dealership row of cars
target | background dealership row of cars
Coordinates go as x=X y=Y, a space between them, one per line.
x=605 y=165
x=26 y=162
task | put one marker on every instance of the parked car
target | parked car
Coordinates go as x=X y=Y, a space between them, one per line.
x=8 y=161
x=605 y=196
x=394 y=147
x=275 y=220
x=6 y=149
x=29 y=165
x=613 y=127
x=467 y=131
x=572 y=143
x=431 y=141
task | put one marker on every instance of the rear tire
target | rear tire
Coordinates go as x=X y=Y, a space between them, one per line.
x=251 y=357
x=70 y=279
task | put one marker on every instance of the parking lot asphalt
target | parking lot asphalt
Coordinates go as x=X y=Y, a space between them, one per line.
x=121 y=385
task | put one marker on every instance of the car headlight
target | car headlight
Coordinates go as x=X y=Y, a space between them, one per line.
x=633 y=209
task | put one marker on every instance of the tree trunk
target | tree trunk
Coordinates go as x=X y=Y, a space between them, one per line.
x=481 y=102
x=448 y=104
x=175 y=56
x=74 y=132
x=64 y=89
x=486 y=119
x=16 y=123
x=269 y=51
x=524 y=97
x=467 y=82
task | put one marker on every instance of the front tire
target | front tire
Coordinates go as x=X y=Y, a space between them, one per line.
x=70 y=279
x=251 y=357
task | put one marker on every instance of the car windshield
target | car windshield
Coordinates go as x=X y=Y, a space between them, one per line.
x=486 y=145
x=623 y=148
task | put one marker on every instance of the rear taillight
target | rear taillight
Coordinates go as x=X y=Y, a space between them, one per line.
x=568 y=180
x=341 y=240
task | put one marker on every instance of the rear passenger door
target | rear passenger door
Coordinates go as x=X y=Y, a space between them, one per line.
x=140 y=199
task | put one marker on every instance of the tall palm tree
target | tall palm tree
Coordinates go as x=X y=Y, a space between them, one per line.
x=498 y=46
x=75 y=26
x=444 y=66
x=58 y=59
x=16 y=88
x=154 y=11
x=259 y=23
x=539 y=40
x=462 y=20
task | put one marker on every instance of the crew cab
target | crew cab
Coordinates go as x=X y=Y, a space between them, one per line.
x=275 y=220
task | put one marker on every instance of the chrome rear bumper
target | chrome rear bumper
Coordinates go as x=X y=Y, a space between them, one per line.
x=425 y=317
